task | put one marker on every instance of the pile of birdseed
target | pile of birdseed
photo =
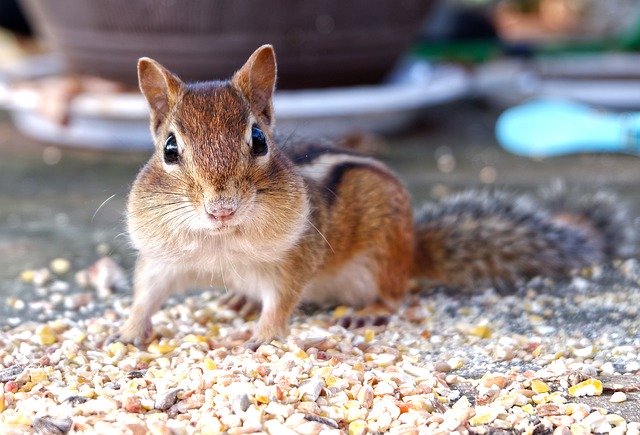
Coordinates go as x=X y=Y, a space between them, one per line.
x=550 y=358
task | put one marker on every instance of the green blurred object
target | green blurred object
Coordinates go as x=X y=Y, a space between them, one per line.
x=476 y=50
x=470 y=51
x=630 y=39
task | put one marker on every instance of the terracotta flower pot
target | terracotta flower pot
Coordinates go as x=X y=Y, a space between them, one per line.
x=319 y=42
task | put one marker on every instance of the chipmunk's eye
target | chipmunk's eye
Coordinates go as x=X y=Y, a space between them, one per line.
x=258 y=142
x=171 y=154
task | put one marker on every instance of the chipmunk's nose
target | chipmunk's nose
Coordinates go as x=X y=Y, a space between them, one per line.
x=221 y=210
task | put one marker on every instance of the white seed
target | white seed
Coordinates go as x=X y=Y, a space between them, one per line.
x=312 y=388
x=618 y=397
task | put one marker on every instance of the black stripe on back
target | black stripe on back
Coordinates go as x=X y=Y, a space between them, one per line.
x=334 y=178
x=306 y=154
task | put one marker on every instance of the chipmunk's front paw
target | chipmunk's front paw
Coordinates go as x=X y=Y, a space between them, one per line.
x=266 y=334
x=253 y=344
x=137 y=333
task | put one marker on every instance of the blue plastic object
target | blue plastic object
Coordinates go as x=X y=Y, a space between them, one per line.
x=547 y=128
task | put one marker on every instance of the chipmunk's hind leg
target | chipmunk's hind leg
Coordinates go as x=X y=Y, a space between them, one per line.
x=390 y=292
x=372 y=244
x=354 y=285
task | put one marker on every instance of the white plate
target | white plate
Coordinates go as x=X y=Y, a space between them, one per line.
x=121 y=120
x=594 y=79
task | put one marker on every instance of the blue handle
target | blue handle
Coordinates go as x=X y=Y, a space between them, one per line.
x=546 y=128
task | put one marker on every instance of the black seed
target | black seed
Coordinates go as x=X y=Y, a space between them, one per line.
x=75 y=400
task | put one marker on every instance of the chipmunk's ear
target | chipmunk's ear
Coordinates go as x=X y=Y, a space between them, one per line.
x=257 y=80
x=159 y=86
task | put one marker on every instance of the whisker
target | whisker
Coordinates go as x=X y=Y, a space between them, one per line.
x=224 y=281
x=124 y=233
x=155 y=206
x=230 y=263
x=179 y=180
x=179 y=225
x=101 y=205
x=321 y=235
x=162 y=192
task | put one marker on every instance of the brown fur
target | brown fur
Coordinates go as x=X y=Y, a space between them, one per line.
x=292 y=240
x=496 y=239
x=314 y=224
x=372 y=214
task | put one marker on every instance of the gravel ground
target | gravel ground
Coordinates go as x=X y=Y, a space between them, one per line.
x=552 y=357
x=473 y=363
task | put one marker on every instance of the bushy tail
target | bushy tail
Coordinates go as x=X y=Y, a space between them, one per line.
x=498 y=239
x=601 y=211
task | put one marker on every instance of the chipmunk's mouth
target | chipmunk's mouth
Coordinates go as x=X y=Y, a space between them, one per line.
x=216 y=225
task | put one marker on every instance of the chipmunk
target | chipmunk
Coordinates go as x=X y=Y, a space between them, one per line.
x=221 y=202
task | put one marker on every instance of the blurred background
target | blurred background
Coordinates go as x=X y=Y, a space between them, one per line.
x=451 y=93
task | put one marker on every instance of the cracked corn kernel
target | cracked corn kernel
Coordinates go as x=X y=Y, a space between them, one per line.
x=484 y=415
x=191 y=338
x=482 y=331
x=27 y=275
x=60 y=266
x=210 y=364
x=46 y=335
x=261 y=398
x=354 y=411
x=322 y=371
x=579 y=429
x=38 y=376
x=590 y=387
x=161 y=347
x=539 y=387
x=508 y=400
x=369 y=335
x=615 y=420
x=528 y=408
x=340 y=311
x=330 y=381
x=17 y=419
x=357 y=427
x=541 y=398
x=556 y=397
x=117 y=349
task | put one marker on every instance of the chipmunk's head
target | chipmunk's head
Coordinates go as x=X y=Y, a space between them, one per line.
x=216 y=167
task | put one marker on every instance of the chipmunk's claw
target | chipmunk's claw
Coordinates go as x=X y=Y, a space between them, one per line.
x=140 y=342
x=253 y=344
x=357 y=322
x=128 y=336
